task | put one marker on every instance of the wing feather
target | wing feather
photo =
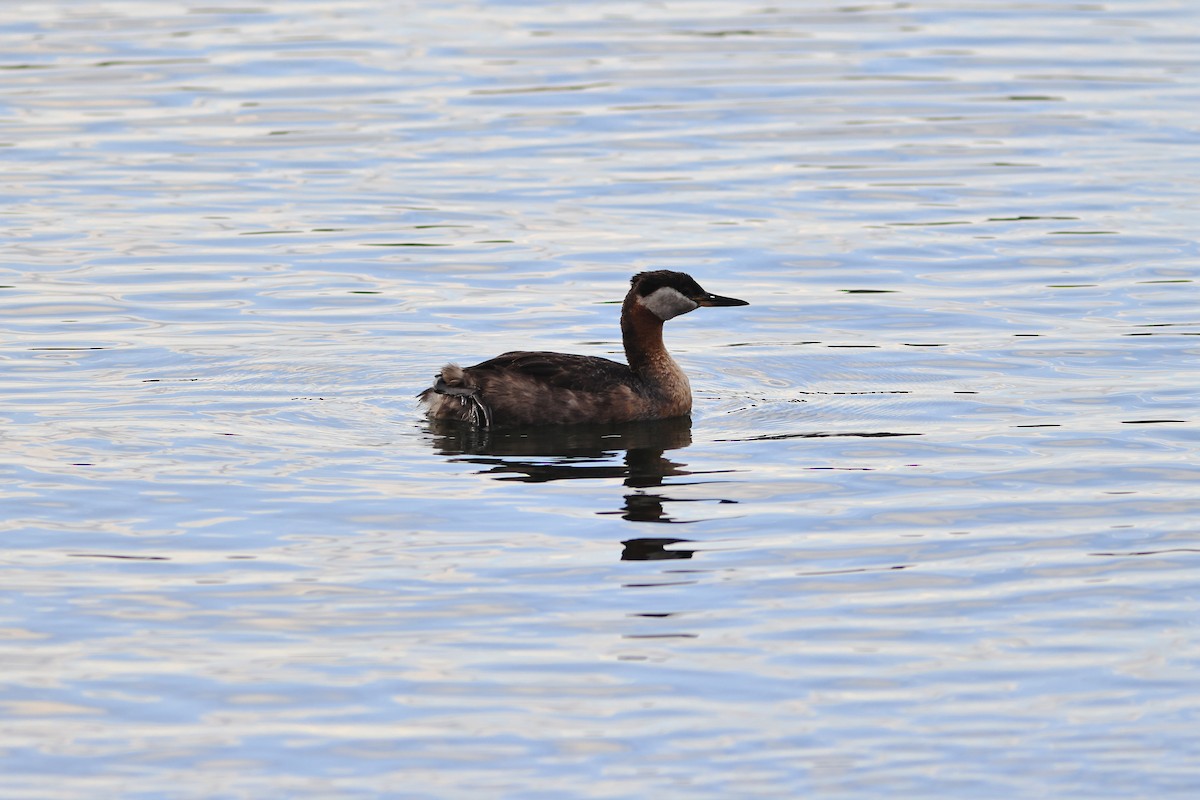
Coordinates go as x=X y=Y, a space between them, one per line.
x=561 y=370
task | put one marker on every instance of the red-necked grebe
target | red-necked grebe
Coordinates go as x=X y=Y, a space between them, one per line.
x=537 y=388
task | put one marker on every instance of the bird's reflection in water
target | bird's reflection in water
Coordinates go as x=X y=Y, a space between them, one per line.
x=653 y=550
x=537 y=455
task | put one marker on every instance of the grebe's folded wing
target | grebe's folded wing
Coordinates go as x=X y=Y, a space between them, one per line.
x=561 y=370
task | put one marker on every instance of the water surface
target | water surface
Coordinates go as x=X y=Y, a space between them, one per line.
x=930 y=531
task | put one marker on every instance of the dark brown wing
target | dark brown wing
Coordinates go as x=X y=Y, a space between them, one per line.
x=560 y=370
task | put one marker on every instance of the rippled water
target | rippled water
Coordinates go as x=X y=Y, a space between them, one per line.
x=931 y=531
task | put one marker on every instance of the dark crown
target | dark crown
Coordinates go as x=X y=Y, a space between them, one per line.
x=646 y=283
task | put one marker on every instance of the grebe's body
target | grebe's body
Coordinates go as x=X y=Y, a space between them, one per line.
x=537 y=388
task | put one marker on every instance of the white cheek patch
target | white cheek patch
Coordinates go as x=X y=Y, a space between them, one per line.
x=666 y=303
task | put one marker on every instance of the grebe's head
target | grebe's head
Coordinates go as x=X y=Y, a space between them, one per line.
x=668 y=294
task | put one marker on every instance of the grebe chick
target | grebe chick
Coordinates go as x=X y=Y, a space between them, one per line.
x=534 y=388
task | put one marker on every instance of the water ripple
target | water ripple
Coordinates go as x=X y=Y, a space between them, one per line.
x=932 y=518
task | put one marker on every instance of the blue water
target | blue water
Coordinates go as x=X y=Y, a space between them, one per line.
x=930 y=532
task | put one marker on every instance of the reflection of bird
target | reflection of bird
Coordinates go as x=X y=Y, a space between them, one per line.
x=534 y=388
x=653 y=550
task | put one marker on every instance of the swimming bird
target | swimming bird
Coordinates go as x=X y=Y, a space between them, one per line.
x=539 y=388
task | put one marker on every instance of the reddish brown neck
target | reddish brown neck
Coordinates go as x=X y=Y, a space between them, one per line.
x=641 y=332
